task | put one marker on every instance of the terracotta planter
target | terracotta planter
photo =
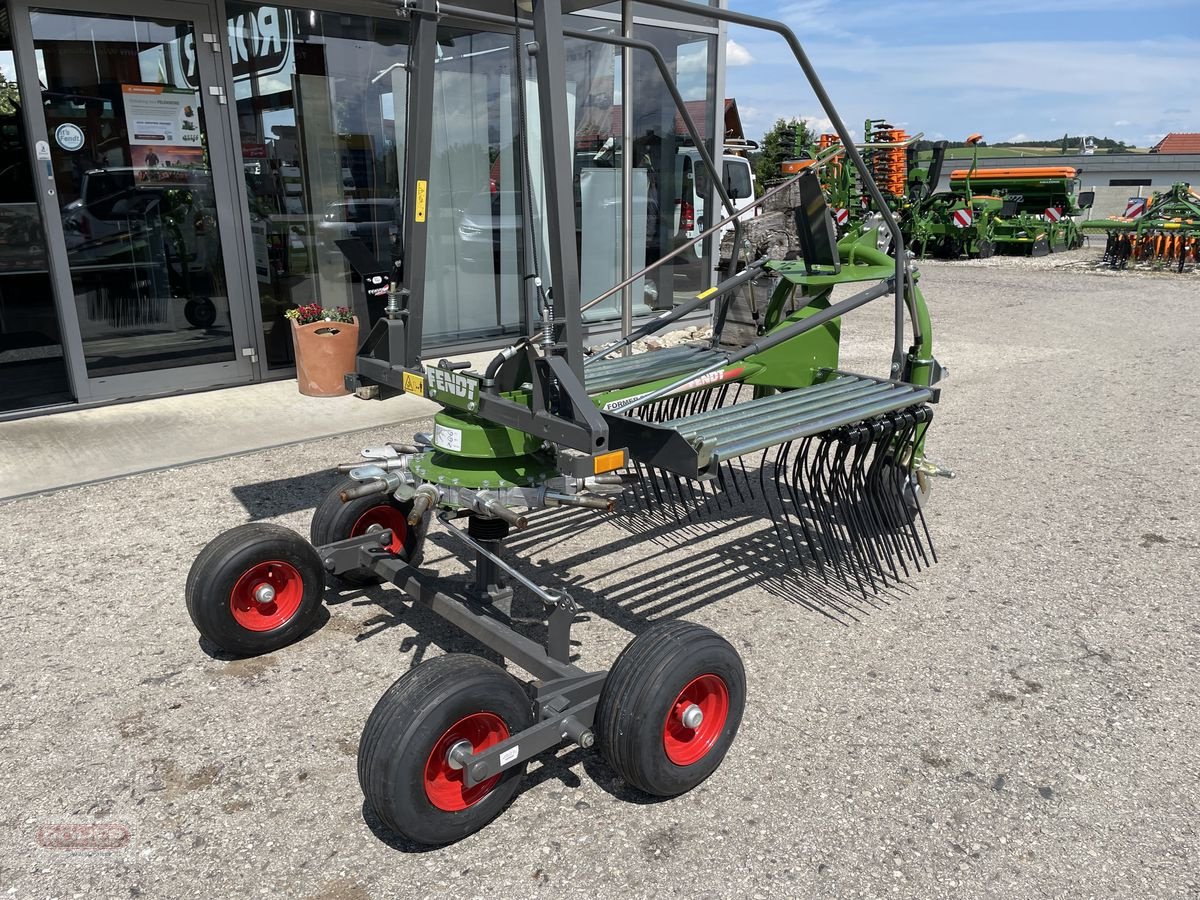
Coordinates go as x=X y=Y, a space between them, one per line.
x=325 y=352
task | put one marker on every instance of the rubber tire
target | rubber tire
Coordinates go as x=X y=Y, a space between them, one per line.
x=224 y=560
x=638 y=692
x=333 y=521
x=200 y=313
x=406 y=723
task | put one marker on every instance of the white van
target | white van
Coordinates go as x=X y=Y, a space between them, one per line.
x=692 y=177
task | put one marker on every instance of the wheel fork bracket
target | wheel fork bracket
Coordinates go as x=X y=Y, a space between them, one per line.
x=359 y=552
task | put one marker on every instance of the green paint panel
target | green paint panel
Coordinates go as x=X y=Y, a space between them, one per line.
x=467 y=435
x=458 y=471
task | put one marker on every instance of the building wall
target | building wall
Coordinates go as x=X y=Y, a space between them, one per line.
x=307 y=149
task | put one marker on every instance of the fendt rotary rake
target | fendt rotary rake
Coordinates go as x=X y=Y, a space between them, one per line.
x=835 y=458
x=1162 y=231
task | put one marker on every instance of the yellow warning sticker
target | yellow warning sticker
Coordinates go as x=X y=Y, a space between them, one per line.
x=414 y=384
x=708 y=293
x=422 y=192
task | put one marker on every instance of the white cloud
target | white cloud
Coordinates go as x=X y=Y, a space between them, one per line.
x=736 y=54
x=1017 y=138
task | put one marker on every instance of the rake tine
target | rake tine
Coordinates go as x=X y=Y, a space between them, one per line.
x=870 y=508
x=649 y=478
x=801 y=497
x=636 y=489
x=702 y=487
x=772 y=514
x=925 y=415
x=721 y=496
x=781 y=456
x=884 y=495
x=820 y=498
x=746 y=479
x=676 y=513
x=733 y=481
x=895 y=497
x=810 y=467
x=907 y=441
x=839 y=484
x=690 y=504
x=782 y=468
x=904 y=522
x=860 y=509
x=837 y=512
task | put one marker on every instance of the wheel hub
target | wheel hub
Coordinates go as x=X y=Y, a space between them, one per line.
x=267 y=595
x=696 y=719
x=458 y=754
x=445 y=785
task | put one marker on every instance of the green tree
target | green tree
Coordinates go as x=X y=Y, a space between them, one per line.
x=1065 y=144
x=10 y=97
x=774 y=148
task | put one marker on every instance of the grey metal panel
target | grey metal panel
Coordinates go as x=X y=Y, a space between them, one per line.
x=647 y=367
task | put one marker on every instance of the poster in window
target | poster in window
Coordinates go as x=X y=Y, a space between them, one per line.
x=163 y=124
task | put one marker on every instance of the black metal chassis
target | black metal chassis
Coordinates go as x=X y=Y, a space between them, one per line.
x=564 y=696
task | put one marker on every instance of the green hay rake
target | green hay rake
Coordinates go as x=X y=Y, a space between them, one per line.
x=1162 y=232
x=778 y=428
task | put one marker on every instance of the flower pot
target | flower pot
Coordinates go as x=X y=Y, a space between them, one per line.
x=325 y=353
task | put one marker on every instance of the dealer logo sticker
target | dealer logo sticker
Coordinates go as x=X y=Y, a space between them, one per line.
x=69 y=136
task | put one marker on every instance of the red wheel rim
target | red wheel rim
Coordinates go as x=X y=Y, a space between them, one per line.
x=385 y=517
x=685 y=745
x=288 y=587
x=444 y=785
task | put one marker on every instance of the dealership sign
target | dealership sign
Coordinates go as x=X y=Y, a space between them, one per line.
x=260 y=44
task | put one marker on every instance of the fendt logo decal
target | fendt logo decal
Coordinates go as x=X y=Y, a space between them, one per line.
x=444 y=382
x=706 y=380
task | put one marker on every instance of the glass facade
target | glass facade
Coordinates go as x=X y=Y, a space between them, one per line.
x=129 y=154
x=316 y=105
x=33 y=370
x=320 y=111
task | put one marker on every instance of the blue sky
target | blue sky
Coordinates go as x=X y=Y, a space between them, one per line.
x=1011 y=69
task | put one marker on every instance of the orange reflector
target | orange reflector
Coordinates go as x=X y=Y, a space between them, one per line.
x=607 y=462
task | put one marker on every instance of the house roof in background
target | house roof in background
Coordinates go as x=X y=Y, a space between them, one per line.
x=1178 y=142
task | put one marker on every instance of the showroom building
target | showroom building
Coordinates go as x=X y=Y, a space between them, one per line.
x=177 y=175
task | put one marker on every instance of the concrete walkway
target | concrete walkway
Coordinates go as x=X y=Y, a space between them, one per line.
x=45 y=453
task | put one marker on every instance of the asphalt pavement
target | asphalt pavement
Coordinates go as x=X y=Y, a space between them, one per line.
x=1019 y=720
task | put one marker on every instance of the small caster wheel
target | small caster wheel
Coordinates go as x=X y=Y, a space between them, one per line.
x=255 y=588
x=670 y=707
x=405 y=765
x=200 y=313
x=334 y=520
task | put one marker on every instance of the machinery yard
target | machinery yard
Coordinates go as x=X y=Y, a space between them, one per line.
x=1018 y=720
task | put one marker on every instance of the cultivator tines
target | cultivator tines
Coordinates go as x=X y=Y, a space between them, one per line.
x=1162 y=232
x=889 y=167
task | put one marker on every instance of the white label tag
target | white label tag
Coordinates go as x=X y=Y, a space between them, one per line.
x=509 y=755
x=446 y=438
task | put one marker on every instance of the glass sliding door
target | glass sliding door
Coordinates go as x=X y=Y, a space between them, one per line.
x=33 y=370
x=127 y=103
